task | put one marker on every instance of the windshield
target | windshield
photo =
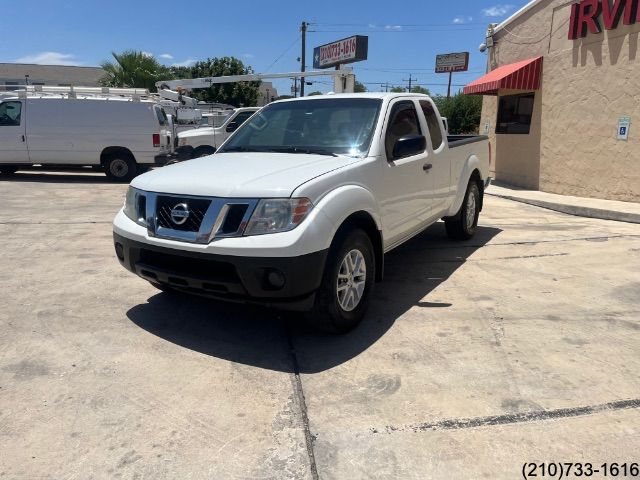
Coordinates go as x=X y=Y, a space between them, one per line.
x=329 y=125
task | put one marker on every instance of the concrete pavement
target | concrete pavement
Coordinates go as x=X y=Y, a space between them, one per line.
x=519 y=345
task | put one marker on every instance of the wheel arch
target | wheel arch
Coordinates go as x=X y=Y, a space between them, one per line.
x=471 y=172
x=364 y=221
x=110 y=152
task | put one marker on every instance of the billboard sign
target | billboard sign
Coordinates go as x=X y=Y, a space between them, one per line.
x=452 y=62
x=347 y=50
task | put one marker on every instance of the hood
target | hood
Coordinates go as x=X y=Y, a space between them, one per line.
x=196 y=132
x=240 y=175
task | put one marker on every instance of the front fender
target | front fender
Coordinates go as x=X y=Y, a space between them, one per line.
x=472 y=163
x=339 y=204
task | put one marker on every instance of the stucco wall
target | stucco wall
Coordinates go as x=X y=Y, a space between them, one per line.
x=587 y=85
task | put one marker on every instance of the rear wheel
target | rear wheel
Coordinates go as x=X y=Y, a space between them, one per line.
x=8 y=170
x=343 y=297
x=465 y=223
x=120 y=168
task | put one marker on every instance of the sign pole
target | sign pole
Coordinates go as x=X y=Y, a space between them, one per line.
x=449 y=87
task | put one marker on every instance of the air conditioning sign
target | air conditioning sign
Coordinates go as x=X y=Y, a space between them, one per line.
x=347 y=50
x=591 y=15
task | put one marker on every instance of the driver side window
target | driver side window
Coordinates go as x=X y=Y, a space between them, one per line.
x=403 y=121
x=10 y=113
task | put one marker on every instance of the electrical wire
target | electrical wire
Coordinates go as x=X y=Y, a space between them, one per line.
x=282 y=54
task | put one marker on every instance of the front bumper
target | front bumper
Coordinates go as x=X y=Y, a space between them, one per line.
x=227 y=277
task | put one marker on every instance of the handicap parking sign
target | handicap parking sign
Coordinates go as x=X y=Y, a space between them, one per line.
x=623 y=128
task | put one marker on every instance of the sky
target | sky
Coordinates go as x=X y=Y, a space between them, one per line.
x=404 y=38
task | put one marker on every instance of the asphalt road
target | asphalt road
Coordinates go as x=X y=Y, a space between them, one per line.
x=521 y=345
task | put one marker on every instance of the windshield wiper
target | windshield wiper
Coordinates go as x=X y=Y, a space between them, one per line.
x=239 y=149
x=307 y=150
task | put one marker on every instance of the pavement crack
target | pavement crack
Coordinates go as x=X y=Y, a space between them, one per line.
x=529 y=242
x=512 y=418
x=299 y=392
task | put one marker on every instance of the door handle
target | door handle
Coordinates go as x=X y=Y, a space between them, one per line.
x=23 y=139
x=426 y=167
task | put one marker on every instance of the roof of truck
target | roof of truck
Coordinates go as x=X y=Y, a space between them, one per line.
x=377 y=95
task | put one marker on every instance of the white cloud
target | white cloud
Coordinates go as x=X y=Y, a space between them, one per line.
x=248 y=55
x=166 y=56
x=372 y=25
x=147 y=54
x=497 y=10
x=187 y=63
x=393 y=27
x=462 y=20
x=50 y=58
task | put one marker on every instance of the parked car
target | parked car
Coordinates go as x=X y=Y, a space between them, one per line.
x=118 y=134
x=299 y=207
x=203 y=141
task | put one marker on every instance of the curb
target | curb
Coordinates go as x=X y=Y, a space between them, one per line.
x=575 y=210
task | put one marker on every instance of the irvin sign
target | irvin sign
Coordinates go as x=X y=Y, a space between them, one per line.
x=585 y=16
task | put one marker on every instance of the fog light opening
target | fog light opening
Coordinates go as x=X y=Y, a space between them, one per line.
x=119 y=251
x=275 y=279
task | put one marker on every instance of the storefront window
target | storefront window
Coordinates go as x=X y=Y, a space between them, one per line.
x=514 y=113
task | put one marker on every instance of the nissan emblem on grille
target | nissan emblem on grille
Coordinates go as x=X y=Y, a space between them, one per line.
x=180 y=213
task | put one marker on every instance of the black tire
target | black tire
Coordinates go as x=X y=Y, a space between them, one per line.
x=120 y=168
x=8 y=170
x=203 y=151
x=463 y=226
x=328 y=313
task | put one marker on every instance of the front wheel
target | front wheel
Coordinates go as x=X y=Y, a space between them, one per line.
x=343 y=297
x=465 y=223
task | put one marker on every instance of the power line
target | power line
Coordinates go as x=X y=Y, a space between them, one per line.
x=282 y=55
x=391 y=25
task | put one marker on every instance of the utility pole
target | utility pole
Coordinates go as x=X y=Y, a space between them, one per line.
x=449 y=87
x=303 y=29
x=410 y=80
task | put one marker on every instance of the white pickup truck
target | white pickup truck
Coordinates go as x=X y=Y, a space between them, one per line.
x=203 y=141
x=300 y=205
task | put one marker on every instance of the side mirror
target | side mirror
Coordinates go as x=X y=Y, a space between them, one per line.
x=232 y=127
x=409 y=145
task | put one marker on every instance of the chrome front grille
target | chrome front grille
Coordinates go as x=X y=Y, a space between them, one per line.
x=196 y=207
x=196 y=219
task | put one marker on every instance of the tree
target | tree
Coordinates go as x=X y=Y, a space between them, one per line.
x=359 y=87
x=398 y=90
x=419 y=89
x=239 y=93
x=462 y=112
x=134 y=69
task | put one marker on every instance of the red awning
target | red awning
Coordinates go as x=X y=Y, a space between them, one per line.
x=523 y=75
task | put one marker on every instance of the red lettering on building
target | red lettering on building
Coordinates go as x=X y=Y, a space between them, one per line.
x=585 y=16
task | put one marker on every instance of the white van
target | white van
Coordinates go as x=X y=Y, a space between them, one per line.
x=118 y=134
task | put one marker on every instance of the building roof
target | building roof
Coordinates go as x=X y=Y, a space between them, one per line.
x=517 y=15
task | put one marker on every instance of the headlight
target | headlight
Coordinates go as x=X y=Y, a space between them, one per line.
x=135 y=206
x=278 y=215
x=182 y=142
